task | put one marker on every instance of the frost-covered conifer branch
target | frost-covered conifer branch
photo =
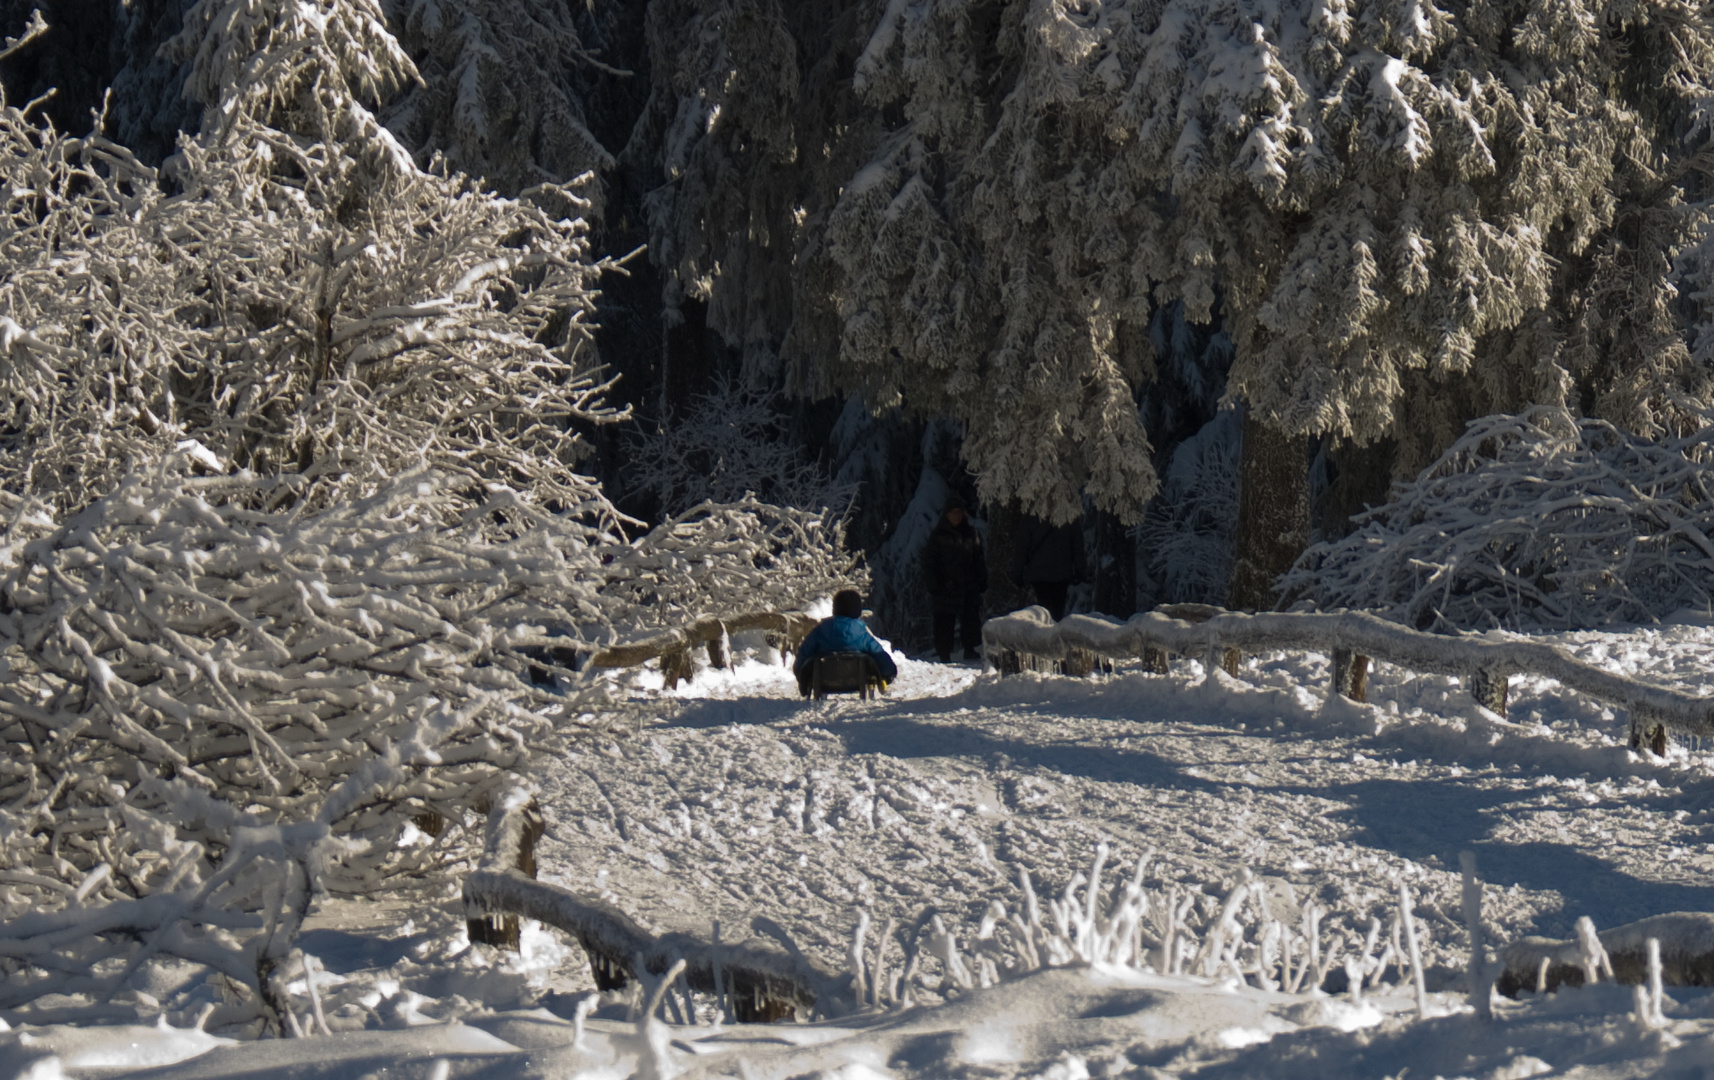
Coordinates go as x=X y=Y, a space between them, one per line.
x=499 y=97
x=275 y=61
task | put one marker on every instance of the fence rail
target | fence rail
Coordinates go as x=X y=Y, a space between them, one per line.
x=1350 y=638
x=674 y=645
x=757 y=982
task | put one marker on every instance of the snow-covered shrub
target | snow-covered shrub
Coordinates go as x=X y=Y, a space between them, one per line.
x=220 y=701
x=342 y=323
x=1541 y=519
x=725 y=558
x=292 y=524
x=731 y=443
x=1256 y=933
x=1187 y=535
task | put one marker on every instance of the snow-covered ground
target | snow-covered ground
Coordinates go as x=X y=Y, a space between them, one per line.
x=740 y=803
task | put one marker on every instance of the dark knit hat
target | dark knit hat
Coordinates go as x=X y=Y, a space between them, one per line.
x=954 y=501
x=848 y=604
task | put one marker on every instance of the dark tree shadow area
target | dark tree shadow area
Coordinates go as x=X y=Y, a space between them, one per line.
x=901 y=738
x=343 y=952
x=1421 y=820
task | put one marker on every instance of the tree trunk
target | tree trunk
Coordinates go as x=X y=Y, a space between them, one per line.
x=1114 y=565
x=1005 y=533
x=1273 y=512
x=689 y=369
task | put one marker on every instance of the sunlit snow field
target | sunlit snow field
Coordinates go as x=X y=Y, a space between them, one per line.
x=739 y=801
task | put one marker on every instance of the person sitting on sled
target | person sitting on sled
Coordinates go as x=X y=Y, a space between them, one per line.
x=842 y=632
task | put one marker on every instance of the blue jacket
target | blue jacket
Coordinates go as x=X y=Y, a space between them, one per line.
x=838 y=634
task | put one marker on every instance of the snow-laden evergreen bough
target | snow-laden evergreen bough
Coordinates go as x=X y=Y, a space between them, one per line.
x=1407 y=215
x=1541 y=520
x=498 y=95
x=1372 y=200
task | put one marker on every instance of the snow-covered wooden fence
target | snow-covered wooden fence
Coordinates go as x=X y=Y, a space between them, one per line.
x=673 y=646
x=754 y=981
x=1485 y=661
x=1684 y=955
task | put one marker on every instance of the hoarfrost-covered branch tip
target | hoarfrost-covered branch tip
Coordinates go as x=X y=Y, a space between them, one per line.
x=1541 y=520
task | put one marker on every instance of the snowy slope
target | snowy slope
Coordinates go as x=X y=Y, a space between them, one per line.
x=740 y=801
x=747 y=801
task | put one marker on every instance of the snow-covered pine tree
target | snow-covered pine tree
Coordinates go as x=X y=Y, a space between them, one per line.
x=498 y=97
x=307 y=66
x=750 y=130
x=1384 y=200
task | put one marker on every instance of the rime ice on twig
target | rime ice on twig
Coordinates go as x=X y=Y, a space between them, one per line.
x=1537 y=520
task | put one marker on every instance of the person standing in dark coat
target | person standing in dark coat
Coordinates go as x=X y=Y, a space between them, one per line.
x=955 y=572
x=1050 y=558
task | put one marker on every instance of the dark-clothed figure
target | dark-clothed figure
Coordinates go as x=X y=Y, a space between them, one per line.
x=955 y=572
x=843 y=632
x=1050 y=558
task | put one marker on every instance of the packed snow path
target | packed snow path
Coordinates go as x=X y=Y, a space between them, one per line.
x=744 y=801
x=740 y=802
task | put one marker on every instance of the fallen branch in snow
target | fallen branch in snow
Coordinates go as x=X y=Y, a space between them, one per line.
x=1485 y=660
x=761 y=983
x=1686 y=956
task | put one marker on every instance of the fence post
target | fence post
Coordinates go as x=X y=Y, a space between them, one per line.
x=1658 y=740
x=501 y=931
x=1489 y=689
x=677 y=667
x=1351 y=674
